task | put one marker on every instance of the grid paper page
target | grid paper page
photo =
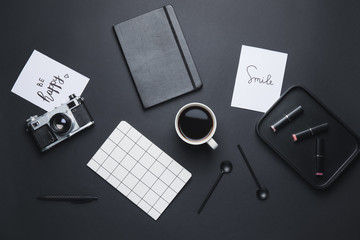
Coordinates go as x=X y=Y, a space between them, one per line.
x=139 y=169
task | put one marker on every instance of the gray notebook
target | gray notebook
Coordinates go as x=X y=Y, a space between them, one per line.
x=157 y=56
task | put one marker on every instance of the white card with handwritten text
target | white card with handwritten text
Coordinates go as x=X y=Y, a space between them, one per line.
x=259 y=78
x=48 y=83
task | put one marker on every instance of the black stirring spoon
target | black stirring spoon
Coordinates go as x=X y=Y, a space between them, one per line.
x=262 y=193
x=225 y=167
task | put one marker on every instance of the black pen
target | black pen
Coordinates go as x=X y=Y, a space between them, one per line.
x=73 y=199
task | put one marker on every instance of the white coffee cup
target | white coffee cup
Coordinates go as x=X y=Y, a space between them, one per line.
x=207 y=138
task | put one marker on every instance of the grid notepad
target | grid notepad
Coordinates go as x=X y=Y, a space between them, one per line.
x=139 y=169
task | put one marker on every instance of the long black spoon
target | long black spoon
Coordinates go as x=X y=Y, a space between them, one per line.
x=262 y=193
x=225 y=167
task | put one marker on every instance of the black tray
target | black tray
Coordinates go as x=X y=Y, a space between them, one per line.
x=341 y=145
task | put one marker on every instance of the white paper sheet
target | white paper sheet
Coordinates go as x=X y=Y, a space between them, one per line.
x=259 y=78
x=48 y=83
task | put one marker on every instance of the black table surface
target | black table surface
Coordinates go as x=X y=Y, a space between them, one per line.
x=322 y=41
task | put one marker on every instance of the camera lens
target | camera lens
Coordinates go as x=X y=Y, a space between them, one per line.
x=60 y=123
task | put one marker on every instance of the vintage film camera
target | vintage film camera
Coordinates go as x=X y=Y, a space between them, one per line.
x=61 y=123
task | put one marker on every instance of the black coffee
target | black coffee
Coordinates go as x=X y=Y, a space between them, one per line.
x=195 y=123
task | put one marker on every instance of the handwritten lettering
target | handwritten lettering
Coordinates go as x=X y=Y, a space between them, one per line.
x=45 y=98
x=256 y=79
x=41 y=82
x=59 y=79
x=54 y=87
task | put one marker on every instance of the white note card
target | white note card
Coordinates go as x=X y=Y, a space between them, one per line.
x=259 y=78
x=48 y=83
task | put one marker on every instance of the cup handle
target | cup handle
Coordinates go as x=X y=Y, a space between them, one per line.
x=212 y=143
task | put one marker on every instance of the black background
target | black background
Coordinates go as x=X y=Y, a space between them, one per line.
x=322 y=41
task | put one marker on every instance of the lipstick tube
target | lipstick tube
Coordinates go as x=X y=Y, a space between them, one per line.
x=319 y=157
x=310 y=132
x=288 y=118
